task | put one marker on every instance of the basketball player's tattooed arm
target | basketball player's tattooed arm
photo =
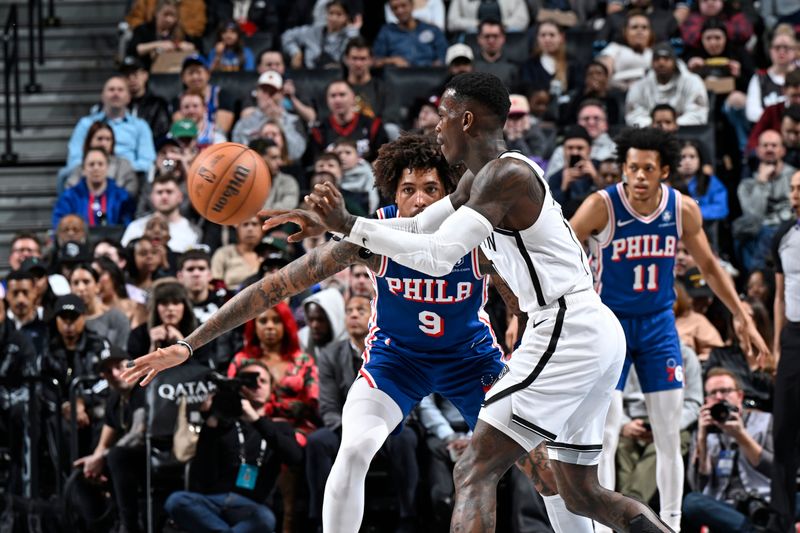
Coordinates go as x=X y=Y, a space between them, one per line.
x=317 y=265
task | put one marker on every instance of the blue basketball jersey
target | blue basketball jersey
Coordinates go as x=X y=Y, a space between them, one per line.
x=635 y=255
x=419 y=312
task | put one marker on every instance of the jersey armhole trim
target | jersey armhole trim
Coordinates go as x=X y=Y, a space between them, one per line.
x=608 y=230
x=476 y=264
x=679 y=214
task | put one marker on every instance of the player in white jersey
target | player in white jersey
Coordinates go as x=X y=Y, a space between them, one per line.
x=561 y=378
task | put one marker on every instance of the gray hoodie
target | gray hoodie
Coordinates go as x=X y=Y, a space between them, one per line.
x=332 y=303
x=360 y=179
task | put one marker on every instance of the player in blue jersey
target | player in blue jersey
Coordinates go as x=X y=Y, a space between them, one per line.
x=634 y=228
x=561 y=377
x=427 y=334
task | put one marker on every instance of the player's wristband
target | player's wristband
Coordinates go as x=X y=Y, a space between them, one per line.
x=188 y=347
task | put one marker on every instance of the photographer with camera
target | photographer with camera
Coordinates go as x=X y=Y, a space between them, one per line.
x=239 y=456
x=731 y=461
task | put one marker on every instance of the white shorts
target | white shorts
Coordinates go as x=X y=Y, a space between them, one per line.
x=559 y=384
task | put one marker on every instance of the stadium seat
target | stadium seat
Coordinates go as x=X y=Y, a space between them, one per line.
x=704 y=135
x=407 y=85
x=311 y=85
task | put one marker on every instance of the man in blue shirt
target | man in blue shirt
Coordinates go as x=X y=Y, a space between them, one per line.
x=133 y=138
x=409 y=42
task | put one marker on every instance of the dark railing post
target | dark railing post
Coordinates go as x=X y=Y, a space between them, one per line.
x=10 y=65
x=40 y=28
x=52 y=20
x=32 y=86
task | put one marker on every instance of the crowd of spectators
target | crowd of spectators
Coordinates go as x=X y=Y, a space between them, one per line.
x=316 y=88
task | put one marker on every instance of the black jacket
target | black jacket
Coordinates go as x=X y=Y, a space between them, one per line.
x=216 y=464
x=153 y=110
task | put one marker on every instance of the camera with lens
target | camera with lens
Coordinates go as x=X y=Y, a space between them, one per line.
x=761 y=514
x=228 y=398
x=721 y=412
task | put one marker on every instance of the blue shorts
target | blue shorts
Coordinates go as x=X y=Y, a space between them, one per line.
x=462 y=375
x=654 y=348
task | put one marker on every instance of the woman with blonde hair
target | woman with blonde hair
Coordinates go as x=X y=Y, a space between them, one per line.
x=548 y=62
x=766 y=86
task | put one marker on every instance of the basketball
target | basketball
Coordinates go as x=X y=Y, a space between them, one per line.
x=228 y=183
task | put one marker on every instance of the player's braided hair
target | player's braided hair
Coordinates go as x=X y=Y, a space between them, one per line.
x=663 y=142
x=414 y=151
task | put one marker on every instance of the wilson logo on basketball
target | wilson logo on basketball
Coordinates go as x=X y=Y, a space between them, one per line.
x=233 y=188
x=207 y=175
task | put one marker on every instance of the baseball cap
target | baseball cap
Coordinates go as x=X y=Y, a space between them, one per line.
x=130 y=64
x=271 y=78
x=34 y=265
x=109 y=354
x=695 y=284
x=69 y=304
x=74 y=252
x=519 y=105
x=183 y=128
x=458 y=50
x=193 y=59
x=273 y=250
x=663 y=50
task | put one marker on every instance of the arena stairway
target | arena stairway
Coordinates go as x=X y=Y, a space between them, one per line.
x=79 y=56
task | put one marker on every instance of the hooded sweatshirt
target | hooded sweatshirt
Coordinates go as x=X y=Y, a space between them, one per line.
x=361 y=180
x=332 y=303
x=686 y=92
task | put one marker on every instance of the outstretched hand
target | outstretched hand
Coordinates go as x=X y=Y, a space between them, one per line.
x=148 y=366
x=752 y=343
x=310 y=224
x=325 y=211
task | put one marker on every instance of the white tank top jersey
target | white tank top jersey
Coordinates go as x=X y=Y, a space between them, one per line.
x=543 y=262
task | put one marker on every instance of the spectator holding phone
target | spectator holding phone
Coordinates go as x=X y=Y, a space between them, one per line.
x=572 y=184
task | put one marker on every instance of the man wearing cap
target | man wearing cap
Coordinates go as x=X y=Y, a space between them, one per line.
x=144 y=104
x=133 y=138
x=195 y=77
x=74 y=351
x=579 y=178
x=491 y=39
x=269 y=100
x=459 y=59
x=668 y=82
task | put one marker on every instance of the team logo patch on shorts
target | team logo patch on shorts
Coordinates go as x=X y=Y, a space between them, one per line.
x=488 y=380
x=674 y=371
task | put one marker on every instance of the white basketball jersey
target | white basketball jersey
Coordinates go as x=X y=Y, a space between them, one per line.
x=544 y=261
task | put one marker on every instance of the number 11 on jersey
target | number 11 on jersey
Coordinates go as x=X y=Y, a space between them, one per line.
x=652 y=278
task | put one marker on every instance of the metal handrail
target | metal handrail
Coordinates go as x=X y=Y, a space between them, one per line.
x=11 y=73
x=35 y=37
